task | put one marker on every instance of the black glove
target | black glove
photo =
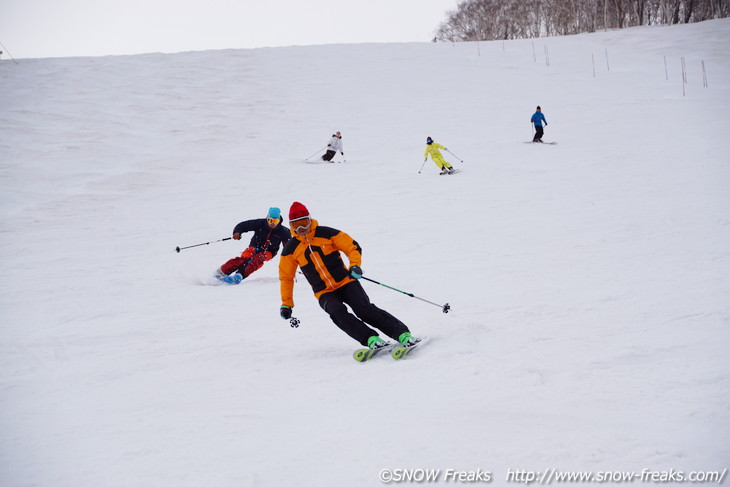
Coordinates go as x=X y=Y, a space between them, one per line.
x=285 y=312
x=356 y=272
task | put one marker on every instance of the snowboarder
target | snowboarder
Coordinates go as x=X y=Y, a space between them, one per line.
x=433 y=149
x=268 y=234
x=537 y=119
x=315 y=249
x=334 y=145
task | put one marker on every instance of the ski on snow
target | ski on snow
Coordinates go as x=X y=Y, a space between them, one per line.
x=402 y=351
x=396 y=351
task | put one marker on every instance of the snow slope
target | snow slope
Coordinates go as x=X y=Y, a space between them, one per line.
x=588 y=280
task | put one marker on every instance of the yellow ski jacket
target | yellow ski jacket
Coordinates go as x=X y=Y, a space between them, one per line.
x=433 y=149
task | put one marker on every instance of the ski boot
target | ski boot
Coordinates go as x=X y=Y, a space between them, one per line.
x=407 y=343
x=407 y=340
x=375 y=345
x=235 y=278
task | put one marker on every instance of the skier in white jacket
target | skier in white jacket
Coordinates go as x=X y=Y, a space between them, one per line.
x=334 y=145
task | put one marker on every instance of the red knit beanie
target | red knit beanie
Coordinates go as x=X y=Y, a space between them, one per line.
x=297 y=211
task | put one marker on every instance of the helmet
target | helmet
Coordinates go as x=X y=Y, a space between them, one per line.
x=429 y=140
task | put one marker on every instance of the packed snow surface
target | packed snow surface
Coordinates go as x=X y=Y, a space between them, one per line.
x=588 y=280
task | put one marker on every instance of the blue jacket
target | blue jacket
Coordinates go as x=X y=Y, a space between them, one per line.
x=538 y=118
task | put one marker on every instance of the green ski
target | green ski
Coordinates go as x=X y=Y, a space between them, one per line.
x=365 y=354
x=402 y=351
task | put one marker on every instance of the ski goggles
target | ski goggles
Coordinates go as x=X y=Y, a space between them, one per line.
x=272 y=221
x=301 y=225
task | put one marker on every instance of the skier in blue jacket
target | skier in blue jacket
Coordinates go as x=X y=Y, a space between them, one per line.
x=537 y=119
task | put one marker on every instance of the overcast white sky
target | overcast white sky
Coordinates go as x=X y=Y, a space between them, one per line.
x=53 y=28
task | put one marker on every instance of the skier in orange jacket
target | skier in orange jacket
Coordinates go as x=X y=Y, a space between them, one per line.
x=316 y=250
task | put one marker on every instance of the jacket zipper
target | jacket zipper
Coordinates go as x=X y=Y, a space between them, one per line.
x=319 y=264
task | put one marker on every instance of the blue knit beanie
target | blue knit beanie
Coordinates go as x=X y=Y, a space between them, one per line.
x=274 y=213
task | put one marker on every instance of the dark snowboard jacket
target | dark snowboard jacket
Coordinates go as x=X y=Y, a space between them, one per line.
x=264 y=238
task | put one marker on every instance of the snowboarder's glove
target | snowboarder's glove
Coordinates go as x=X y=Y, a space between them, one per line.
x=285 y=312
x=356 y=272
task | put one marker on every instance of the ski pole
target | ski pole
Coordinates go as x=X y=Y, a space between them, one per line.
x=178 y=249
x=6 y=50
x=424 y=163
x=445 y=308
x=447 y=150
x=294 y=322
x=320 y=150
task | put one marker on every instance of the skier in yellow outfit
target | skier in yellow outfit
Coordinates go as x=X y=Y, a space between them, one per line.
x=433 y=149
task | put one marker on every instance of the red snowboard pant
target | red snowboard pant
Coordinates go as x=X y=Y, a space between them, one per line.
x=249 y=262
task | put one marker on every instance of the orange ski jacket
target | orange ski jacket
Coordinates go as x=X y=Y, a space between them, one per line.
x=317 y=254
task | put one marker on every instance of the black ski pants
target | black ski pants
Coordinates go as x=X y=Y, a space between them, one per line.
x=538 y=133
x=354 y=295
x=329 y=155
